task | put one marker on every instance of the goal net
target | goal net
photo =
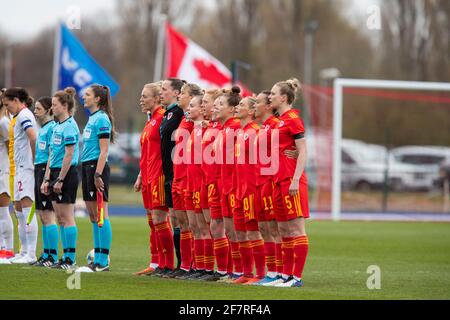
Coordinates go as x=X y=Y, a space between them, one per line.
x=376 y=146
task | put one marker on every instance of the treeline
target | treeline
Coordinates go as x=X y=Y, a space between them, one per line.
x=413 y=44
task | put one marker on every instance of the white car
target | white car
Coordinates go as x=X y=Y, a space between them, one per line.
x=428 y=157
x=364 y=167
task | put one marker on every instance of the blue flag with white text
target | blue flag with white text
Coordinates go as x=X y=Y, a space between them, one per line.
x=77 y=68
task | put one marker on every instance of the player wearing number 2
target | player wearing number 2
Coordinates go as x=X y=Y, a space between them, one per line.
x=17 y=102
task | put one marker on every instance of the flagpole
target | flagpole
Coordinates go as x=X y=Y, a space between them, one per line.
x=160 y=48
x=56 y=58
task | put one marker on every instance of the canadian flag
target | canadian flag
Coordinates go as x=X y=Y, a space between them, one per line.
x=188 y=61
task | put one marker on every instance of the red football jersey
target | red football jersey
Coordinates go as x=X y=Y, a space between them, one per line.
x=246 y=159
x=225 y=154
x=264 y=143
x=289 y=128
x=194 y=167
x=181 y=136
x=211 y=170
x=144 y=152
x=154 y=162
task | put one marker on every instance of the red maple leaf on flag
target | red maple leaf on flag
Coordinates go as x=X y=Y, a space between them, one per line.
x=210 y=73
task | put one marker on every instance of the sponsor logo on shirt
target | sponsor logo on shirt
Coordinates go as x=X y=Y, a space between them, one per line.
x=57 y=140
x=42 y=145
x=87 y=133
x=104 y=129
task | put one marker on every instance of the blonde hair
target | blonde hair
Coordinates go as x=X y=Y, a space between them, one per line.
x=214 y=93
x=290 y=88
x=155 y=89
x=193 y=89
x=251 y=101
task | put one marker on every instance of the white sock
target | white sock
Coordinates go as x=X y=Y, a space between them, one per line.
x=7 y=229
x=31 y=232
x=22 y=222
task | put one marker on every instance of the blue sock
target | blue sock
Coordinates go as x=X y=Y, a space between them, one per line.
x=44 y=241
x=71 y=239
x=96 y=235
x=52 y=240
x=105 y=242
x=62 y=234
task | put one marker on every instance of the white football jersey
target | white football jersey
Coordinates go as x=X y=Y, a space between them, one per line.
x=4 y=136
x=23 y=157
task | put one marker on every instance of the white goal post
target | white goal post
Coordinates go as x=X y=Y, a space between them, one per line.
x=338 y=105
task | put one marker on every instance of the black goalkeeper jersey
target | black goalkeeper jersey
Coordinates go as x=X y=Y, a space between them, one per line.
x=171 y=120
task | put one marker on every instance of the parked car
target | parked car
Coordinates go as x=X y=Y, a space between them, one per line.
x=429 y=157
x=364 y=167
x=444 y=174
x=124 y=157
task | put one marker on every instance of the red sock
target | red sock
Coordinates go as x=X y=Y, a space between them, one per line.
x=236 y=256
x=199 y=250
x=230 y=258
x=259 y=257
x=221 y=251
x=288 y=256
x=165 y=237
x=194 y=265
x=209 y=254
x=186 y=250
x=153 y=241
x=269 y=251
x=279 y=258
x=300 y=252
x=245 y=248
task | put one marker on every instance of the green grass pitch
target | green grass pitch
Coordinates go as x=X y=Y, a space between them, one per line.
x=414 y=259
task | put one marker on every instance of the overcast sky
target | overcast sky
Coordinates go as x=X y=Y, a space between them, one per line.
x=23 y=19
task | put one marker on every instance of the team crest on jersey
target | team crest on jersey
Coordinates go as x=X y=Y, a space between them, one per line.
x=153 y=123
x=169 y=116
x=246 y=136
x=199 y=132
x=267 y=128
x=214 y=124
x=281 y=124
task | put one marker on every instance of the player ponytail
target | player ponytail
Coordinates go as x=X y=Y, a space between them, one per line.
x=21 y=94
x=46 y=103
x=290 y=88
x=233 y=96
x=67 y=97
x=105 y=104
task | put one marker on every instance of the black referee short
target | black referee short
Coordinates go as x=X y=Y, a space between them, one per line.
x=42 y=202
x=88 y=181
x=69 y=188
x=168 y=192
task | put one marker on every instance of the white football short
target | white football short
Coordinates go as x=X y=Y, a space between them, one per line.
x=24 y=184
x=4 y=184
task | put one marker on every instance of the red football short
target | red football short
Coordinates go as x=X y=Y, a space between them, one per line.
x=228 y=202
x=178 y=191
x=146 y=197
x=289 y=207
x=214 y=201
x=263 y=197
x=157 y=195
x=204 y=197
x=192 y=201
